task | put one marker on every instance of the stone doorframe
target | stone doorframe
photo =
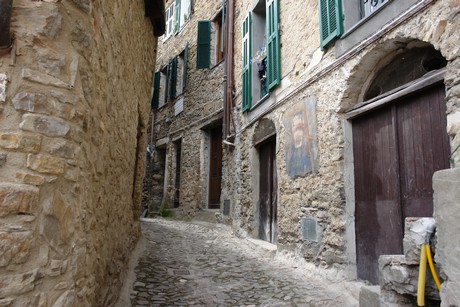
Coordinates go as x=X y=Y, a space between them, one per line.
x=265 y=129
x=349 y=178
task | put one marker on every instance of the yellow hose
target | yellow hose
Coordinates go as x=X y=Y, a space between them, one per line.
x=421 y=277
x=433 y=271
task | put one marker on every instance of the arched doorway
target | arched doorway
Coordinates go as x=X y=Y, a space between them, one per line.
x=399 y=141
x=264 y=141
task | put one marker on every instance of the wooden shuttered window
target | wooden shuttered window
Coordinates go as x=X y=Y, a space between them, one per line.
x=273 y=44
x=156 y=90
x=184 y=75
x=177 y=21
x=203 y=54
x=247 y=62
x=330 y=20
x=173 y=74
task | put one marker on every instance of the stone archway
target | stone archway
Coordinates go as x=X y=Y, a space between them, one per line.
x=396 y=130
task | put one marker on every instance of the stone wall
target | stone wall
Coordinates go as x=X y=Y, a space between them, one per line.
x=74 y=100
x=326 y=196
x=202 y=100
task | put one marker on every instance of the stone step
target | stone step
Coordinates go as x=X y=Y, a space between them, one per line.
x=206 y=215
x=369 y=296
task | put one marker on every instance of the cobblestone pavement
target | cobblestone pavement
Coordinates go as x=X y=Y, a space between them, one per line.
x=201 y=264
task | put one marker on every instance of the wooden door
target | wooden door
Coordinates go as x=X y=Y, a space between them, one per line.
x=178 y=170
x=268 y=192
x=397 y=149
x=215 y=168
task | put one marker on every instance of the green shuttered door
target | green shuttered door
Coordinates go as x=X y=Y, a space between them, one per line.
x=330 y=17
x=203 y=44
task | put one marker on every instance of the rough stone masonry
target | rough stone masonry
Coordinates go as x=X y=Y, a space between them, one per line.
x=74 y=100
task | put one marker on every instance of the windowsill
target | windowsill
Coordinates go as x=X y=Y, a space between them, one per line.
x=261 y=101
x=216 y=65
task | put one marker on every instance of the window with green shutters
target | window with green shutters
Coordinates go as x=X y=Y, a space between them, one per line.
x=203 y=53
x=156 y=90
x=247 y=63
x=330 y=19
x=178 y=17
x=184 y=74
x=273 y=44
x=173 y=76
x=261 y=52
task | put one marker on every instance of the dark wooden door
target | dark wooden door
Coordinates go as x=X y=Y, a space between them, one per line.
x=215 y=168
x=423 y=148
x=178 y=170
x=397 y=149
x=268 y=192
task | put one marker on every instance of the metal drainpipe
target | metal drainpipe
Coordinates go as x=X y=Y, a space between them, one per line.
x=228 y=102
x=6 y=7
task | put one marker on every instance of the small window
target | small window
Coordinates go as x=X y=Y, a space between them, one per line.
x=261 y=52
x=217 y=39
x=370 y=6
x=184 y=9
x=169 y=17
x=163 y=88
x=203 y=53
x=181 y=81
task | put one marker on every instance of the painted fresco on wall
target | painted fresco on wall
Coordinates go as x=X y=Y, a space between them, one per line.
x=301 y=139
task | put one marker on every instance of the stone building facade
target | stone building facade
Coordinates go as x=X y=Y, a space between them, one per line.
x=338 y=106
x=75 y=91
x=188 y=103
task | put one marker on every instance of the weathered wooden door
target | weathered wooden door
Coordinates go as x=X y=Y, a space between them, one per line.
x=397 y=149
x=178 y=170
x=268 y=192
x=215 y=168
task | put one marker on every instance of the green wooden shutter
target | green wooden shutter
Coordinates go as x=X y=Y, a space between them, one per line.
x=168 y=77
x=203 y=54
x=273 y=44
x=173 y=78
x=184 y=75
x=330 y=20
x=177 y=25
x=156 y=90
x=247 y=62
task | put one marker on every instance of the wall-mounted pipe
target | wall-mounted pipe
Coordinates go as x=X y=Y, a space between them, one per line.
x=229 y=78
x=6 y=7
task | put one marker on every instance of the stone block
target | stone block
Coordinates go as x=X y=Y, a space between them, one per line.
x=48 y=125
x=415 y=232
x=66 y=299
x=21 y=142
x=59 y=225
x=14 y=247
x=32 y=179
x=3 y=80
x=46 y=164
x=30 y=102
x=402 y=278
x=369 y=296
x=2 y=159
x=446 y=203
x=17 y=198
x=43 y=79
x=7 y=302
x=61 y=148
x=19 y=283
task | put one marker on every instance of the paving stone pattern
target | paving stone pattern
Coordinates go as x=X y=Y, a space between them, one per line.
x=201 y=264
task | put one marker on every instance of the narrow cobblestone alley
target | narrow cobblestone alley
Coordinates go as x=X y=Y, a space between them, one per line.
x=201 y=264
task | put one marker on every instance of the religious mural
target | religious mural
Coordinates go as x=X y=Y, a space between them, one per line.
x=301 y=139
